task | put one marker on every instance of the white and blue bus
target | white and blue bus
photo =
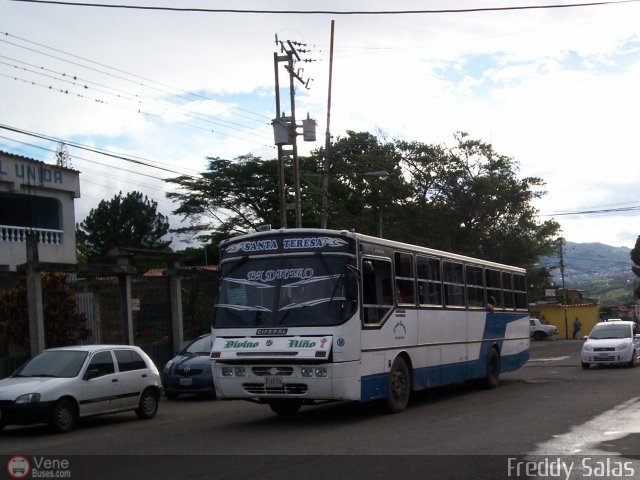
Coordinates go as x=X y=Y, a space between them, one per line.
x=311 y=315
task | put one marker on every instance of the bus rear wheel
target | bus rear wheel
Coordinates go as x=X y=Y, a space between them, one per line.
x=492 y=377
x=285 y=406
x=399 y=386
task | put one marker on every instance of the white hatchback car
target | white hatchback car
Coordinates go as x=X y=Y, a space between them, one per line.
x=610 y=343
x=60 y=385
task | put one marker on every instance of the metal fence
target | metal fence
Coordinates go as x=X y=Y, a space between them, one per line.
x=98 y=298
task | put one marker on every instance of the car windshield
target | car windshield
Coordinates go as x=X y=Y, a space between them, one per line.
x=288 y=291
x=610 y=331
x=201 y=346
x=56 y=363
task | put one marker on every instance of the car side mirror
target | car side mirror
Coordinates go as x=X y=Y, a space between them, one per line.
x=585 y=337
x=91 y=373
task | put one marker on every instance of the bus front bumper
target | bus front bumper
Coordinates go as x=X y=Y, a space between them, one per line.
x=337 y=381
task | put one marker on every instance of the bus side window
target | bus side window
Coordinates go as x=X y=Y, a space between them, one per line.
x=494 y=289
x=404 y=278
x=453 y=284
x=377 y=290
x=520 y=291
x=507 y=290
x=475 y=286
x=429 y=281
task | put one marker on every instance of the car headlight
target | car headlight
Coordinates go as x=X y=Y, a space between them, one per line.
x=28 y=398
x=168 y=366
x=587 y=348
x=623 y=346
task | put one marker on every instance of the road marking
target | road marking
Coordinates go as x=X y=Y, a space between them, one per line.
x=549 y=359
x=583 y=439
x=580 y=454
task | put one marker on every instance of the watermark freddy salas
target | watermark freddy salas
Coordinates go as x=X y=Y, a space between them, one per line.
x=566 y=469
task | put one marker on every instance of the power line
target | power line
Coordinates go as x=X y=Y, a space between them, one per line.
x=185 y=112
x=326 y=12
x=131 y=159
x=594 y=211
x=164 y=108
x=75 y=157
x=188 y=96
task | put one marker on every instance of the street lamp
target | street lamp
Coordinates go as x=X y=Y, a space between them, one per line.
x=380 y=175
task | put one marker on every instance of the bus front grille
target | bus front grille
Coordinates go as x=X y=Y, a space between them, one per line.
x=285 y=389
x=263 y=371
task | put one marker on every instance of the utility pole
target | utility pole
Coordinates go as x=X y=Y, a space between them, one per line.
x=324 y=213
x=564 y=289
x=284 y=127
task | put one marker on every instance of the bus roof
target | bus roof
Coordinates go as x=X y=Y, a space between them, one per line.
x=359 y=237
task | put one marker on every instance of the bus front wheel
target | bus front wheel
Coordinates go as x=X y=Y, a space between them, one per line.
x=285 y=406
x=399 y=386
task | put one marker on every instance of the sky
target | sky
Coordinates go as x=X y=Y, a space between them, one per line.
x=556 y=89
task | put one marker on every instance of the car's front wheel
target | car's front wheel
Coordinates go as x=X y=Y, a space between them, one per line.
x=539 y=335
x=586 y=365
x=634 y=360
x=148 y=406
x=64 y=416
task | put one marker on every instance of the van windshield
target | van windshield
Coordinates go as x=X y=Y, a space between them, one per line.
x=287 y=291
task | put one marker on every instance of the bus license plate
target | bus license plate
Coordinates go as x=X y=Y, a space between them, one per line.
x=273 y=382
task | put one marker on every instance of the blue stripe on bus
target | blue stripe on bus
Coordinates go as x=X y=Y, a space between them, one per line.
x=375 y=386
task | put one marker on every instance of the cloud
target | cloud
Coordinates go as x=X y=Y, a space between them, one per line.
x=554 y=89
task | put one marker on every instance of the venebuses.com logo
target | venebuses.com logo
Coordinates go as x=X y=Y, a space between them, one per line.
x=19 y=466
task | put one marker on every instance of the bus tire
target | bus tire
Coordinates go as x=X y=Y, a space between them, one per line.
x=399 y=386
x=492 y=377
x=285 y=406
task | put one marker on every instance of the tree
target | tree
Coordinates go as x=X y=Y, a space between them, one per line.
x=236 y=196
x=63 y=159
x=130 y=221
x=469 y=200
x=358 y=200
x=465 y=199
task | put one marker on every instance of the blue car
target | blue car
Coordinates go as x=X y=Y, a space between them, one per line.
x=190 y=370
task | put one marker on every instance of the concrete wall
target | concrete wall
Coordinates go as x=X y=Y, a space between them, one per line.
x=555 y=315
x=21 y=177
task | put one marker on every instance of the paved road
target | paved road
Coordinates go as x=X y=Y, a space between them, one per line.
x=550 y=407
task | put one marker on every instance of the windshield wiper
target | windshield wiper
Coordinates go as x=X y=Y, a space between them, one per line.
x=309 y=303
x=245 y=308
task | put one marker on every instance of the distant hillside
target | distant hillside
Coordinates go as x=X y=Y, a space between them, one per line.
x=602 y=271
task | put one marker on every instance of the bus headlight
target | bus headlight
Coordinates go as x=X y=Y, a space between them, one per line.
x=240 y=372
x=227 y=372
x=306 y=371
x=321 y=372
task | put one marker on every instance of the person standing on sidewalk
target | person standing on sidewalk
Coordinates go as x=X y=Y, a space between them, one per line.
x=577 y=326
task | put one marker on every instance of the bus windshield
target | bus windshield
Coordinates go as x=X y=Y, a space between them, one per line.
x=290 y=291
